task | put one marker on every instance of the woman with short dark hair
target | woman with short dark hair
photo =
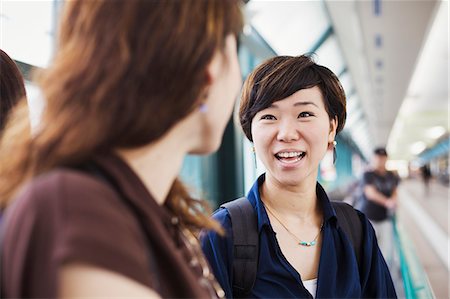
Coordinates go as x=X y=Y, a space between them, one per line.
x=292 y=109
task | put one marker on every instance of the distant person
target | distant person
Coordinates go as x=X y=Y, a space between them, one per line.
x=292 y=109
x=380 y=199
x=426 y=177
x=12 y=87
x=96 y=206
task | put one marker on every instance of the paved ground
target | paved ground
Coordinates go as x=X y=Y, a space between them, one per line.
x=424 y=219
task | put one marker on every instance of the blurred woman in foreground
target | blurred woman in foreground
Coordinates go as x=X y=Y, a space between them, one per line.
x=98 y=210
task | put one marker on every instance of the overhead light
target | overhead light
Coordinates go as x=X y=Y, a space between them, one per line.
x=418 y=147
x=436 y=132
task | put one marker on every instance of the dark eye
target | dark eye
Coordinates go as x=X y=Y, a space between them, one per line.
x=268 y=117
x=305 y=114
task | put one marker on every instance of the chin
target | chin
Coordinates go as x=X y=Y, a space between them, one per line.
x=290 y=179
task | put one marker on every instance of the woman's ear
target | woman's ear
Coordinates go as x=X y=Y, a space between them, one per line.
x=214 y=67
x=333 y=127
x=211 y=73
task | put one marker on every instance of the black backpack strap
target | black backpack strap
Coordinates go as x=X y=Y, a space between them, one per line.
x=245 y=245
x=350 y=223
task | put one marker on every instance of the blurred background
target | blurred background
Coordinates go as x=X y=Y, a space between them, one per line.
x=392 y=58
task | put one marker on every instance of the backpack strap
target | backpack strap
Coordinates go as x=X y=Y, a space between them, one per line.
x=350 y=223
x=246 y=239
x=245 y=245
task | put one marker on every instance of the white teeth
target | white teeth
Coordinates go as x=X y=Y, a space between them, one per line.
x=289 y=154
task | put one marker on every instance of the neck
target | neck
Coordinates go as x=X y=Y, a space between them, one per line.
x=291 y=201
x=381 y=170
x=157 y=164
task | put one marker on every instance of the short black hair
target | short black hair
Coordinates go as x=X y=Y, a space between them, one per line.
x=380 y=151
x=280 y=77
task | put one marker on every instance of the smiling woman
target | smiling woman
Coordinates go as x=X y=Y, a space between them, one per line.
x=293 y=135
x=292 y=109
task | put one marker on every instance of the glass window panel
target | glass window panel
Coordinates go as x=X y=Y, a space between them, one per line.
x=347 y=83
x=26 y=30
x=352 y=105
x=36 y=103
x=290 y=27
x=329 y=55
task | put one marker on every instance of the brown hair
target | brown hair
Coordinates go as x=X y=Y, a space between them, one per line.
x=279 y=77
x=12 y=86
x=124 y=74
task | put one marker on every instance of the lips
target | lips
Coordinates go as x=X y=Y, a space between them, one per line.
x=290 y=156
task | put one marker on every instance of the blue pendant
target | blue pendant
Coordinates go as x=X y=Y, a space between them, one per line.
x=308 y=244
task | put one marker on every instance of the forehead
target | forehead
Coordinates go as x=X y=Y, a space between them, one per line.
x=305 y=97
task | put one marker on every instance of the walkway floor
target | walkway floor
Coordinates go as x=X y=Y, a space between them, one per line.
x=424 y=217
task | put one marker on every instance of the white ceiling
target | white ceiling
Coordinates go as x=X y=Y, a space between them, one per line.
x=424 y=114
x=383 y=51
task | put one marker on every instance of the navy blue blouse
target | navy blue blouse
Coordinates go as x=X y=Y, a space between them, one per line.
x=338 y=275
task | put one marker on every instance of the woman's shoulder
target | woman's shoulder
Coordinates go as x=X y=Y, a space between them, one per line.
x=70 y=200
x=68 y=215
x=62 y=185
x=58 y=190
x=76 y=201
x=222 y=215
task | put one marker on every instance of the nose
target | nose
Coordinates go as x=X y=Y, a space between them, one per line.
x=288 y=131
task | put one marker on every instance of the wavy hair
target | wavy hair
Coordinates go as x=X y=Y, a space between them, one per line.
x=117 y=63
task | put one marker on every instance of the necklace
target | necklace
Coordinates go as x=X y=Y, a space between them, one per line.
x=298 y=240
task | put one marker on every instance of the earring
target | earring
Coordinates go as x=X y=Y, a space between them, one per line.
x=203 y=108
x=254 y=157
x=334 y=151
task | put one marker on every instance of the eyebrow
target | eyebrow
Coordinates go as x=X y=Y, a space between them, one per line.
x=305 y=103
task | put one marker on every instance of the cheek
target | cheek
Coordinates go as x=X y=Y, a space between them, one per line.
x=322 y=137
x=261 y=138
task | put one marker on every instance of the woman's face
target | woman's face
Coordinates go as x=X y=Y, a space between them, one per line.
x=292 y=136
x=222 y=93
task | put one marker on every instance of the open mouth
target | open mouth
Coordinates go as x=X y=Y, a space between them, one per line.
x=290 y=157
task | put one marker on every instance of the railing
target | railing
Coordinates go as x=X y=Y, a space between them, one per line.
x=415 y=281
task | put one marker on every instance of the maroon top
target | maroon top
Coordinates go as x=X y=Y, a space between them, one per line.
x=71 y=216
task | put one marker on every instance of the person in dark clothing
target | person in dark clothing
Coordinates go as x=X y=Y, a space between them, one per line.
x=426 y=177
x=95 y=205
x=292 y=109
x=379 y=199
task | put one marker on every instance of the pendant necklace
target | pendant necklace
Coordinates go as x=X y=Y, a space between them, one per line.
x=299 y=242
